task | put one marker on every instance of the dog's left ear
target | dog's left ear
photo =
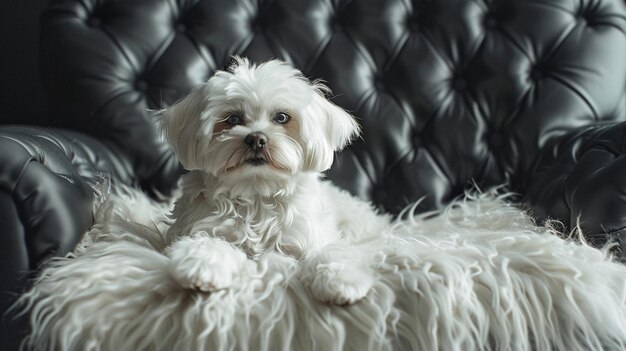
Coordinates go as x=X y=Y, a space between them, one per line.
x=337 y=127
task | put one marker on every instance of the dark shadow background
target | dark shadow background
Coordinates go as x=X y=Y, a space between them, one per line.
x=22 y=99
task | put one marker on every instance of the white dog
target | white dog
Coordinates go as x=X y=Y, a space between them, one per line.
x=255 y=139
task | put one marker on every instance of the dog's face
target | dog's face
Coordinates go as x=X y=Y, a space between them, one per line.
x=258 y=120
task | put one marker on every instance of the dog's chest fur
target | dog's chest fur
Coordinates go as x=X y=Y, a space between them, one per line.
x=295 y=221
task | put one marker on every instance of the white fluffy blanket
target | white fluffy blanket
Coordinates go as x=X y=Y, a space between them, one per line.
x=478 y=275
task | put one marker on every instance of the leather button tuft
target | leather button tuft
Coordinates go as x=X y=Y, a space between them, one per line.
x=537 y=73
x=337 y=26
x=379 y=83
x=414 y=23
x=425 y=15
x=586 y=17
x=417 y=142
x=490 y=22
x=496 y=140
x=500 y=13
x=181 y=27
x=459 y=84
x=340 y=21
x=414 y=26
x=141 y=85
x=258 y=24
x=94 y=21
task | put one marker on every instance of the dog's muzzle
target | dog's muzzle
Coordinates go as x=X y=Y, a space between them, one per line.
x=256 y=142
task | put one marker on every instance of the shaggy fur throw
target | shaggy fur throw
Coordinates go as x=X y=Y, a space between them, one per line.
x=477 y=275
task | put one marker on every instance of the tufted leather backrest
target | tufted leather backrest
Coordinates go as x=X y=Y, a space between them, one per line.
x=447 y=91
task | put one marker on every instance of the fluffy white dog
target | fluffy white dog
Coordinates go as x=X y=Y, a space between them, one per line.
x=255 y=139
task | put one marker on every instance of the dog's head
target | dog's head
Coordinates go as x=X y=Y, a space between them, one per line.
x=257 y=119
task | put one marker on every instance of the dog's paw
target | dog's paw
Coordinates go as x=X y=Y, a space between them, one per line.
x=204 y=263
x=338 y=280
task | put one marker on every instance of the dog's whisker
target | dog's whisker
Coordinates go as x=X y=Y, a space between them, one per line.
x=220 y=133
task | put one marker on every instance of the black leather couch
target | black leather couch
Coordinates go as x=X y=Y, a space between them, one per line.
x=450 y=94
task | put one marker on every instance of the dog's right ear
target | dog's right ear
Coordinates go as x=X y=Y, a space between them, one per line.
x=182 y=125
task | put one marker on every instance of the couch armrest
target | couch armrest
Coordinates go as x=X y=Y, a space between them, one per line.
x=46 y=192
x=581 y=178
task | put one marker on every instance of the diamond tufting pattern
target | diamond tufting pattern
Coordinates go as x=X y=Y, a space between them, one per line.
x=447 y=91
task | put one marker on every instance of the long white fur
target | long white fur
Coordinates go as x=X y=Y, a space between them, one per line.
x=271 y=257
x=478 y=275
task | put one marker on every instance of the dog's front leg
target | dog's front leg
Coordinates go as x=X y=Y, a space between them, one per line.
x=205 y=263
x=338 y=273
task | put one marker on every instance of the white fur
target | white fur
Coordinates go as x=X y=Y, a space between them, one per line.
x=268 y=256
x=477 y=276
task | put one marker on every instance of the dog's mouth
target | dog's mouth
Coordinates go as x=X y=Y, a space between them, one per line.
x=256 y=161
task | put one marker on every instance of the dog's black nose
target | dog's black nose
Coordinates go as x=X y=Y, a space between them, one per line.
x=256 y=141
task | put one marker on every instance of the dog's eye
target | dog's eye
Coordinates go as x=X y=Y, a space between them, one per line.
x=234 y=120
x=282 y=118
